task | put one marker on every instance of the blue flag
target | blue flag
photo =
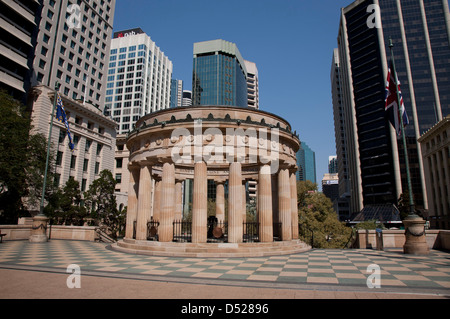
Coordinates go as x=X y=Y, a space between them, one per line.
x=61 y=117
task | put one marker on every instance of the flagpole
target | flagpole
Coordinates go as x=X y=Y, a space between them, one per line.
x=408 y=176
x=41 y=209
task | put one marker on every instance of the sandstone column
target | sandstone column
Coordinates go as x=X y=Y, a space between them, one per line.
x=294 y=209
x=178 y=200
x=235 y=203
x=265 y=204
x=144 y=202
x=220 y=201
x=132 y=202
x=284 y=204
x=276 y=219
x=200 y=203
x=157 y=200
x=167 y=211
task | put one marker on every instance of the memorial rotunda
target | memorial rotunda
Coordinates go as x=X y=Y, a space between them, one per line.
x=229 y=145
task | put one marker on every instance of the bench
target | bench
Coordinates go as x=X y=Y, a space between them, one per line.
x=1 y=236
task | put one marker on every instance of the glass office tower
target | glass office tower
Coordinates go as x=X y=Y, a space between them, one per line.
x=420 y=33
x=306 y=162
x=219 y=75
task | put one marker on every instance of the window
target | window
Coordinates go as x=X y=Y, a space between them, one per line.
x=85 y=165
x=99 y=149
x=119 y=162
x=73 y=162
x=97 y=167
x=59 y=157
x=88 y=145
x=119 y=178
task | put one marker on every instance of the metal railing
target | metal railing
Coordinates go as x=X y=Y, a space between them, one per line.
x=182 y=231
x=250 y=232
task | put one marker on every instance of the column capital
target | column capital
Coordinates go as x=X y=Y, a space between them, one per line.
x=132 y=166
x=145 y=164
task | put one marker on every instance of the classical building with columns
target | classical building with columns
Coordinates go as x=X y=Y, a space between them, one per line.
x=229 y=145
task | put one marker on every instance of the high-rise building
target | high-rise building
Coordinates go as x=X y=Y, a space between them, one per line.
x=18 y=33
x=187 y=98
x=339 y=125
x=420 y=33
x=252 y=84
x=220 y=75
x=139 y=78
x=306 y=162
x=176 y=93
x=73 y=48
x=330 y=186
x=332 y=164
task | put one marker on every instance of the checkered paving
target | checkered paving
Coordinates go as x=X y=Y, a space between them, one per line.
x=331 y=267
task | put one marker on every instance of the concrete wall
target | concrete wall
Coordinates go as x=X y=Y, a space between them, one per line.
x=436 y=239
x=17 y=232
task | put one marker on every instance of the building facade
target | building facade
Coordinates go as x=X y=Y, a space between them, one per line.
x=19 y=22
x=176 y=93
x=72 y=49
x=93 y=134
x=306 y=163
x=139 y=78
x=436 y=157
x=220 y=75
x=73 y=46
x=252 y=84
x=187 y=98
x=330 y=186
x=420 y=34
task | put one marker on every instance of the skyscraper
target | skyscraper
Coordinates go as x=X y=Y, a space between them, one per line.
x=73 y=48
x=332 y=164
x=252 y=84
x=220 y=75
x=139 y=78
x=420 y=32
x=306 y=162
x=18 y=33
x=176 y=93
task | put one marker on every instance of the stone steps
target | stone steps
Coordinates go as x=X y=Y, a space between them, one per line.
x=210 y=250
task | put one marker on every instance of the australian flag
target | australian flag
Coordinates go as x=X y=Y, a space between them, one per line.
x=392 y=104
x=61 y=117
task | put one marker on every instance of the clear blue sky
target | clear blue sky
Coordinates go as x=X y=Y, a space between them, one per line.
x=291 y=42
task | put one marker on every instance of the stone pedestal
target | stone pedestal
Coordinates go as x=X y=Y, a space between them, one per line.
x=39 y=230
x=415 y=242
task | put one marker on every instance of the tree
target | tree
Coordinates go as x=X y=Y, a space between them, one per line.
x=303 y=188
x=22 y=161
x=101 y=203
x=316 y=214
x=65 y=206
